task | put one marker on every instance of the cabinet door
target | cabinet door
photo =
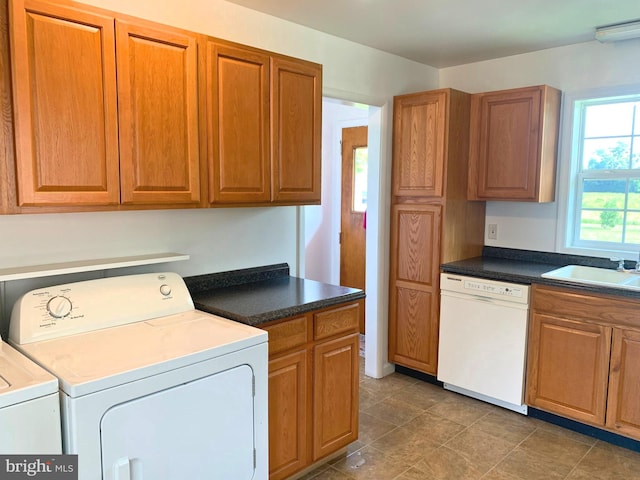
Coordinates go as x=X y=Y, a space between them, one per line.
x=413 y=293
x=288 y=414
x=335 y=397
x=158 y=113
x=419 y=129
x=296 y=122
x=238 y=124
x=65 y=110
x=513 y=140
x=568 y=367
x=623 y=408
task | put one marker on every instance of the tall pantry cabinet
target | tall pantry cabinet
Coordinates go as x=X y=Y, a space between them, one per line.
x=432 y=222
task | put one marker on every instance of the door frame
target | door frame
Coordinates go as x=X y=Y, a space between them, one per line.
x=377 y=234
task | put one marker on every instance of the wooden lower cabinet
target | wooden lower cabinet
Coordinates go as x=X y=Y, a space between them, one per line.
x=584 y=358
x=569 y=373
x=335 y=396
x=288 y=414
x=623 y=407
x=313 y=387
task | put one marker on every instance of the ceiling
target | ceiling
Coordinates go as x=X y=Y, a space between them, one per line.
x=444 y=33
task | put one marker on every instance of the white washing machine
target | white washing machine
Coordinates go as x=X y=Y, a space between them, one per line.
x=150 y=387
x=29 y=406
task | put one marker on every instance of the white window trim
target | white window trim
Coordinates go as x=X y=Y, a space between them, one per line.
x=567 y=170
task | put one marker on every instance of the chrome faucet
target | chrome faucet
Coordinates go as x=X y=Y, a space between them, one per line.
x=621 y=263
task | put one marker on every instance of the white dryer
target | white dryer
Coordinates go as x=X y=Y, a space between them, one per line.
x=29 y=406
x=150 y=387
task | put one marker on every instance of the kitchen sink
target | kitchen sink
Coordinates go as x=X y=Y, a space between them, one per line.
x=596 y=276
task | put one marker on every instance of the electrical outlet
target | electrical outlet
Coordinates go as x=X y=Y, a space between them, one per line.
x=492 y=231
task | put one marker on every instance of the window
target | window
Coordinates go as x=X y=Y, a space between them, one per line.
x=603 y=204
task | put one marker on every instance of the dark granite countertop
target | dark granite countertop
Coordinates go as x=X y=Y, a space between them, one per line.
x=526 y=267
x=258 y=295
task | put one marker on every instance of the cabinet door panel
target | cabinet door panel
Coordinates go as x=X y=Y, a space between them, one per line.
x=419 y=143
x=158 y=112
x=568 y=367
x=238 y=122
x=65 y=109
x=335 y=406
x=288 y=414
x=296 y=121
x=413 y=294
x=623 y=407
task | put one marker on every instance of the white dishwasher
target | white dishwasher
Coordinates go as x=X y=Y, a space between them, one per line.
x=483 y=339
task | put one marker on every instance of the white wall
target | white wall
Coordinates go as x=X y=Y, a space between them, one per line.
x=216 y=239
x=573 y=68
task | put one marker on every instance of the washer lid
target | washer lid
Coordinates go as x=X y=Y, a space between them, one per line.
x=21 y=379
x=89 y=362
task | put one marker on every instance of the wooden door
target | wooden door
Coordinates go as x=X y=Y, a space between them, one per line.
x=623 y=407
x=158 y=113
x=66 y=126
x=296 y=123
x=335 y=398
x=238 y=124
x=288 y=414
x=353 y=210
x=419 y=131
x=504 y=152
x=413 y=286
x=568 y=367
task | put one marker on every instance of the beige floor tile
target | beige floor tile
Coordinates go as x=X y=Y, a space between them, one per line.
x=371 y=428
x=332 y=474
x=555 y=446
x=480 y=448
x=447 y=464
x=460 y=409
x=369 y=398
x=528 y=465
x=434 y=428
x=494 y=474
x=505 y=424
x=387 y=385
x=406 y=444
x=370 y=463
x=394 y=410
x=608 y=462
x=422 y=395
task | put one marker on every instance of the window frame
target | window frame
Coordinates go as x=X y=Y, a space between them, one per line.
x=569 y=186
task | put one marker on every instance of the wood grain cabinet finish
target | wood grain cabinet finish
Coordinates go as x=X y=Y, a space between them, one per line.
x=264 y=121
x=65 y=110
x=313 y=387
x=432 y=222
x=85 y=138
x=112 y=112
x=513 y=144
x=583 y=357
x=158 y=114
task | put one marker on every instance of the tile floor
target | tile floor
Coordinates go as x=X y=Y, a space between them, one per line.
x=412 y=430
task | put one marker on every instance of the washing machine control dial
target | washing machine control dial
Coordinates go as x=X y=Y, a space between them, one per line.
x=59 y=306
x=165 y=289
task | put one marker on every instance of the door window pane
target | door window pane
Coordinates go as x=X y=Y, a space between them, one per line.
x=360 y=164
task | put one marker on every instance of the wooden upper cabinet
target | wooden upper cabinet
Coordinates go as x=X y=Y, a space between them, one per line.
x=513 y=144
x=158 y=113
x=419 y=130
x=237 y=93
x=296 y=129
x=64 y=87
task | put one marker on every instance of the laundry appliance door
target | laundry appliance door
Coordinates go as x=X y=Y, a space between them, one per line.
x=198 y=430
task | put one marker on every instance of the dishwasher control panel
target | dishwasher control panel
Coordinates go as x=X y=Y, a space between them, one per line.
x=482 y=287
